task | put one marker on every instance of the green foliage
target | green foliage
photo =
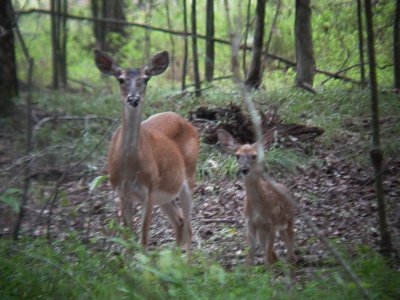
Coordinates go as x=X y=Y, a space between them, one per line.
x=335 y=40
x=96 y=182
x=11 y=197
x=285 y=160
x=31 y=269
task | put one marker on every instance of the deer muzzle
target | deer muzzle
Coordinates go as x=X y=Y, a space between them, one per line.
x=133 y=100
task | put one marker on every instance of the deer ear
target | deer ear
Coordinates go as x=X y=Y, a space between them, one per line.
x=105 y=63
x=268 y=137
x=227 y=141
x=158 y=64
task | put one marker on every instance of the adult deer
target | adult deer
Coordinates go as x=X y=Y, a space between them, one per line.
x=268 y=207
x=151 y=162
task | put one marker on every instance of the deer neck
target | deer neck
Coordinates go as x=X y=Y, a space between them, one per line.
x=257 y=184
x=131 y=120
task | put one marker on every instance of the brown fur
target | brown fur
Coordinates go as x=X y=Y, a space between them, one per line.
x=151 y=162
x=269 y=207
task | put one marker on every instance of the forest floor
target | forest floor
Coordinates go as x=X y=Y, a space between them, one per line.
x=337 y=194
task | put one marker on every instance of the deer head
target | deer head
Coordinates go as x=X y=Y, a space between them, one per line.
x=133 y=81
x=246 y=154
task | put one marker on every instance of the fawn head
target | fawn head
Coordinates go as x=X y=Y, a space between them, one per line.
x=246 y=155
x=132 y=81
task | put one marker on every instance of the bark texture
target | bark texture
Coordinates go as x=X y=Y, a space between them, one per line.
x=304 y=45
x=8 y=68
x=254 y=76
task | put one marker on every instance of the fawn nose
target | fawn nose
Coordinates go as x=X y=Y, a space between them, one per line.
x=133 y=100
x=244 y=171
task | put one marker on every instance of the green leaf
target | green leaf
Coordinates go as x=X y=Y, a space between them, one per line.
x=11 y=197
x=97 y=181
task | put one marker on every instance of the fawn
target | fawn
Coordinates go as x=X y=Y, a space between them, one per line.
x=269 y=207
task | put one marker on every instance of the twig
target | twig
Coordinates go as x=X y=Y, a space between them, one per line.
x=70 y=118
x=207 y=221
x=85 y=84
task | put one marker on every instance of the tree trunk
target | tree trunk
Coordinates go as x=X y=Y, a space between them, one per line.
x=271 y=32
x=304 y=46
x=396 y=47
x=360 y=40
x=246 y=33
x=254 y=77
x=63 y=43
x=147 y=32
x=54 y=43
x=234 y=30
x=115 y=10
x=58 y=9
x=210 y=51
x=186 y=46
x=107 y=9
x=376 y=152
x=195 y=54
x=171 y=38
x=8 y=67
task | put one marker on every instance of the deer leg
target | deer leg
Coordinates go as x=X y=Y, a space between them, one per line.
x=267 y=239
x=252 y=239
x=146 y=219
x=186 y=203
x=174 y=213
x=126 y=212
x=288 y=238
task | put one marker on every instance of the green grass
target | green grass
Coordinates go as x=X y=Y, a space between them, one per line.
x=31 y=269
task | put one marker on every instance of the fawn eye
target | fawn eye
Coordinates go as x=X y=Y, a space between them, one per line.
x=121 y=80
x=146 y=79
x=237 y=156
x=254 y=157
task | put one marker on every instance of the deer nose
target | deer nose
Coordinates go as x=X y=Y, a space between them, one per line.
x=244 y=171
x=133 y=100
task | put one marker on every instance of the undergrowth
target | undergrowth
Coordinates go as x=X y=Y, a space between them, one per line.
x=31 y=269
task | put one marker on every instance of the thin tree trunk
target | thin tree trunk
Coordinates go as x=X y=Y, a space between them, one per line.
x=210 y=51
x=107 y=9
x=63 y=43
x=273 y=26
x=94 y=5
x=360 y=40
x=54 y=44
x=195 y=53
x=396 y=47
x=185 y=47
x=171 y=38
x=304 y=46
x=8 y=67
x=246 y=33
x=254 y=76
x=271 y=32
x=147 y=32
x=234 y=36
x=376 y=152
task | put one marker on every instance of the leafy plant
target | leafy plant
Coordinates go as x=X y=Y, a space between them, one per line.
x=11 y=197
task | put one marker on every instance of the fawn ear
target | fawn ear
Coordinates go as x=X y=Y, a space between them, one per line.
x=158 y=64
x=227 y=141
x=105 y=63
x=268 y=137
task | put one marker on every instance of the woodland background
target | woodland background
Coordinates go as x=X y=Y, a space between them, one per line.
x=325 y=73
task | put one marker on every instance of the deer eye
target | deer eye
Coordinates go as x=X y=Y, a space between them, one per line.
x=121 y=80
x=237 y=156
x=146 y=79
x=253 y=157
